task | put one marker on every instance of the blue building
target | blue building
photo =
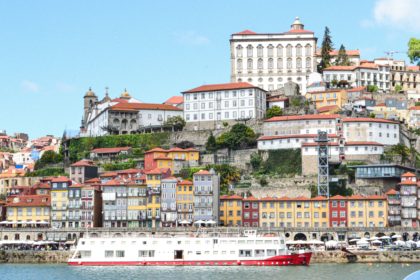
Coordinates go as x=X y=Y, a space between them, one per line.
x=206 y=196
x=168 y=201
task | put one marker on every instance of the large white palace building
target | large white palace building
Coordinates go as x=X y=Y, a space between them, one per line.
x=269 y=60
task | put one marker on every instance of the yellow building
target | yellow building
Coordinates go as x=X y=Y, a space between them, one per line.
x=231 y=210
x=367 y=211
x=328 y=97
x=59 y=201
x=269 y=207
x=185 y=201
x=28 y=210
x=320 y=212
x=153 y=182
x=174 y=158
x=137 y=205
x=385 y=112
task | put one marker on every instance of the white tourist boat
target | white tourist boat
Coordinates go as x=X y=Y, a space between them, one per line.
x=211 y=249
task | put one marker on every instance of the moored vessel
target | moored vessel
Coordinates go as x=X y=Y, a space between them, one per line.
x=201 y=249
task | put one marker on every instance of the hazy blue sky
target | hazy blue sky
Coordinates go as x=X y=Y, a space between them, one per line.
x=52 y=51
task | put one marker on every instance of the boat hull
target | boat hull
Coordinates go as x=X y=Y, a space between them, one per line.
x=284 y=260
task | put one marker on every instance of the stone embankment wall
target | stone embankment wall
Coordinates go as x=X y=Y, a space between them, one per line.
x=34 y=256
x=44 y=257
x=367 y=257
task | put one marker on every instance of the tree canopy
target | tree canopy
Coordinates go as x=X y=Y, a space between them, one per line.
x=342 y=57
x=273 y=112
x=240 y=136
x=176 y=121
x=414 y=50
x=326 y=48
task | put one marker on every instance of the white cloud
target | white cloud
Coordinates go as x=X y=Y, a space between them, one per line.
x=399 y=14
x=29 y=86
x=64 y=87
x=191 y=38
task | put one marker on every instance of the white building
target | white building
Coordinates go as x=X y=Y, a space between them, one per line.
x=123 y=115
x=383 y=131
x=340 y=73
x=269 y=60
x=414 y=117
x=290 y=132
x=213 y=104
x=373 y=74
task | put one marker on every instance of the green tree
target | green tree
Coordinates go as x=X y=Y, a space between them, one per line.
x=398 y=88
x=372 y=115
x=273 y=112
x=326 y=48
x=228 y=175
x=414 y=50
x=256 y=161
x=400 y=151
x=342 y=57
x=48 y=157
x=416 y=103
x=211 y=144
x=240 y=136
x=372 y=88
x=176 y=121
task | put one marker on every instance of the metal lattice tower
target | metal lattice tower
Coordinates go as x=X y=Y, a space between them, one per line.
x=323 y=179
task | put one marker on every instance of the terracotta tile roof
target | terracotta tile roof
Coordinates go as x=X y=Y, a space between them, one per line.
x=337 y=197
x=391 y=192
x=356 y=89
x=110 y=150
x=130 y=171
x=335 y=52
x=202 y=172
x=380 y=105
x=368 y=120
x=143 y=106
x=157 y=171
x=367 y=65
x=231 y=197
x=300 y=31
x=215 y=87
x=251 y=198
x=184 y=182
x=177 y=99
x=319 y=197
x=157 y=149
x=328 y=108
x=60 y=179
x=362 y=143
x=413 y=68
x=108 y=174
x=191 y=150
x=246 y=32
x=115 y=182
x=416 y=108
x=93 y=181
x=340 y=68
x=84 y=162
x=289 y=136
x=29 y=200
x=303 y=117
x=408 y=174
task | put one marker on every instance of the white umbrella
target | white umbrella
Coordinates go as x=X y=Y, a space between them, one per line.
x=4 y=223
x=385 y=237
x=294 y=242
x=199 y=222
x=354 y=240
x=376 y=242
x=396 y=236
x=319 y=242
x=43 y=223
x=399 y=243
x=210 y=222
x=362 y=242
x=184 y=222
x=331 y=243
x=374 y=238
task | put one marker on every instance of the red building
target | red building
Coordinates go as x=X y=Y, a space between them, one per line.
x=338 y=211
x=250 y=212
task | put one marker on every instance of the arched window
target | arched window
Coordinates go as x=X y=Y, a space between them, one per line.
x=239 y=64
x=299 y=63
x=133 y=124
x=250 y=66
x=239 y=51
x=279 y=63
x=260 y=63
x=270 y=63
x=289 y=50
x=308 y=62
x=279 y=50
x=249 y=51
x=298 y=50
x=308 y=50
x=124 y=124
x=270 y=49
x=260 y=49
x=289 y=63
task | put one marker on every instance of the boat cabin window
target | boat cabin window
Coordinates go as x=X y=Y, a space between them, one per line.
x=92 y=242
x=197 y=242
x=271 y=252
x=232 y=252
x=215 y=241
x=232 y=241
x=206 y=252
x=179 y=242
x=198 y=252
x=259 y=253
x=146 y=253
x=259 y=242
x=223 y=252
x=207 y=241
x=145 y=242
x=169 y=242
x=241 y=241
x=120 y=253
x=102 y=242
x=187 y=242
x=83 y=242
x=85 y=254
x=154 y=242
x=189 y=253
x=245 y=253
x=215 y=252
x=109 y=254
x=268 y=241
x=277 y=242
x=250 y=242
x=133 y=242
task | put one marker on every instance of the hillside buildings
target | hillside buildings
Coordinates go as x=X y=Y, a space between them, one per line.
x=208 y=106
x=269 y=60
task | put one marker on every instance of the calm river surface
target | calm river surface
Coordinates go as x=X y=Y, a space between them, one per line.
x=315 y=271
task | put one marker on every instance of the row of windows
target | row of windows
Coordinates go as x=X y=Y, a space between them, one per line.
x=270 y=63
x=270 y=50
x=298 y=224
x=226 y=103
x=289 y=215
x=219 y=94
x=29 y=211
x=371 y=214
x=226 y=115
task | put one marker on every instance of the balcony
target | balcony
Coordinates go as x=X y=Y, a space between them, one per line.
x=408 y=215
x=203 y=204
x=394 y=201
x=152 y=191
x=203 y=192
x=413 y=192
x=185 y=211
x=86 y=207
x=394 y=212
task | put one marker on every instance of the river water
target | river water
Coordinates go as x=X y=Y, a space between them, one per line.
x=315 y=271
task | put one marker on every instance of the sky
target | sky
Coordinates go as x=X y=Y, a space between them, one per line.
x=51 y=52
